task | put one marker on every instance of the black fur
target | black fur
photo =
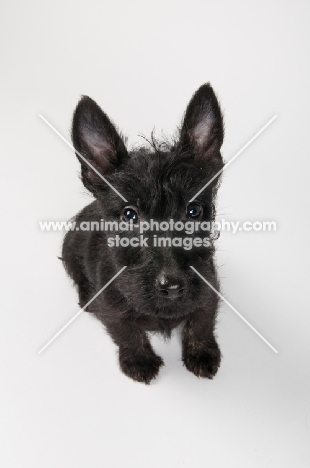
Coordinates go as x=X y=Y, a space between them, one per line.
x=158 y=183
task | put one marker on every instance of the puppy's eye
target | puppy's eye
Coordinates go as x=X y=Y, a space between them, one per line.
x=130 y=215
x=193 y=210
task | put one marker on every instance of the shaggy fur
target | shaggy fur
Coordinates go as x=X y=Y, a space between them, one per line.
x=158 y=183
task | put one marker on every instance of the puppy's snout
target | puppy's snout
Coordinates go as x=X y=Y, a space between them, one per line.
x=170 y=287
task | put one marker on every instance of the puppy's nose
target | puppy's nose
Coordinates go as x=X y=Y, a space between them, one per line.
x=170 y=287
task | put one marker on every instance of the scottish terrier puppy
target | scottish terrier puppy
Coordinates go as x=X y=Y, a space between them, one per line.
x=158 y=290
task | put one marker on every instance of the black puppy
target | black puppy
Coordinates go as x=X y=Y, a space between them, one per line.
x=158 y=290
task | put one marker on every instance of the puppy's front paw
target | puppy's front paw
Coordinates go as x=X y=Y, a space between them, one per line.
x=139 y=367
x=203 y=363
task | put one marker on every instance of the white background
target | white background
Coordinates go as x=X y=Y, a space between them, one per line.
x=141 y=61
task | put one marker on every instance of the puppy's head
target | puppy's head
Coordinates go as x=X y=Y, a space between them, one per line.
x=159 y=184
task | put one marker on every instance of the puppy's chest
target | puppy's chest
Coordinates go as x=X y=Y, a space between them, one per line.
x=159 y=325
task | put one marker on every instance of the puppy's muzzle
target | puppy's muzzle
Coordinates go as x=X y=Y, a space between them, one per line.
x=170 y=287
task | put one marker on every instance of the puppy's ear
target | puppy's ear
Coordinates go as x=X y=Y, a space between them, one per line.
x=97 y=140
x=202 y=131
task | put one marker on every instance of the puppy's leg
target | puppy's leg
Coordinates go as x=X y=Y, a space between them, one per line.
x=84 y=287
x=137 y=358
x=201 y=353
x=72 y=258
